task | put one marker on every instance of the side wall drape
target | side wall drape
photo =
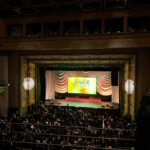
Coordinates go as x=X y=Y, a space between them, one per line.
x=27 y=84
x=126 y=77
x=24 y=97
x=32 y=91
x=131 y=97
x=50 y=85
x=115 y=93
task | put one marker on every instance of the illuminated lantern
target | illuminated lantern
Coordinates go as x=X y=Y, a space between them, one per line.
x=28 y=83
x=129 y=86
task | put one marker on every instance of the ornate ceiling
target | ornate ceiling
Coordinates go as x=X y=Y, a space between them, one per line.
x=18 y=8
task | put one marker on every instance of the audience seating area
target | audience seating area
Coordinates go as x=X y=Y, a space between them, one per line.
x=63 y=128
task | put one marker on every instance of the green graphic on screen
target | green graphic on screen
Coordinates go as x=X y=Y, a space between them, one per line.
x=81 y=85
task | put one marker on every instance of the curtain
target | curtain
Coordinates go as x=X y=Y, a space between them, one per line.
x=103 y=80
x=50 y=85
x=115 y=93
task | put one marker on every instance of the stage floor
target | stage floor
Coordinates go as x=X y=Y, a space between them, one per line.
x=83 y=102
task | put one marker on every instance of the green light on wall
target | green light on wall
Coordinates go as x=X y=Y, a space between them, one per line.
x=3 y=88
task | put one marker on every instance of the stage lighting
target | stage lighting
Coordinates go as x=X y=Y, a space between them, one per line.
x=28 y=83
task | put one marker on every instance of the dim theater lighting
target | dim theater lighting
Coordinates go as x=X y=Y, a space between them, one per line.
x=28 y=83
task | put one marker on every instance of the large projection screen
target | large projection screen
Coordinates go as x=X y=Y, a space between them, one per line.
x=82 y=85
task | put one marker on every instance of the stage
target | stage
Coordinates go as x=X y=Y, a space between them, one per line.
x=83 y=102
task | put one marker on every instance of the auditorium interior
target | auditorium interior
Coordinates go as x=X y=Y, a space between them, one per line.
x=46 y=45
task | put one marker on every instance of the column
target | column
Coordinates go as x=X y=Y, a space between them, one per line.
x=50 y=85
x=125 y=24
x=126 y=77
x=81 y=27
x=4 y=97
x=102 y=25
x=131 y=97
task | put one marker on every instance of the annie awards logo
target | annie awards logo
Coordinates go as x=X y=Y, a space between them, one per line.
x=84 y=83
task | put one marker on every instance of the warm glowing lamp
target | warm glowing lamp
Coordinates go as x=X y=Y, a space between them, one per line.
x=28 y=83
x=129 y=86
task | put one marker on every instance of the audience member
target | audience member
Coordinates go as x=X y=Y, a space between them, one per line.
x=71 y=135
x=28 y=108
x=32 y=107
